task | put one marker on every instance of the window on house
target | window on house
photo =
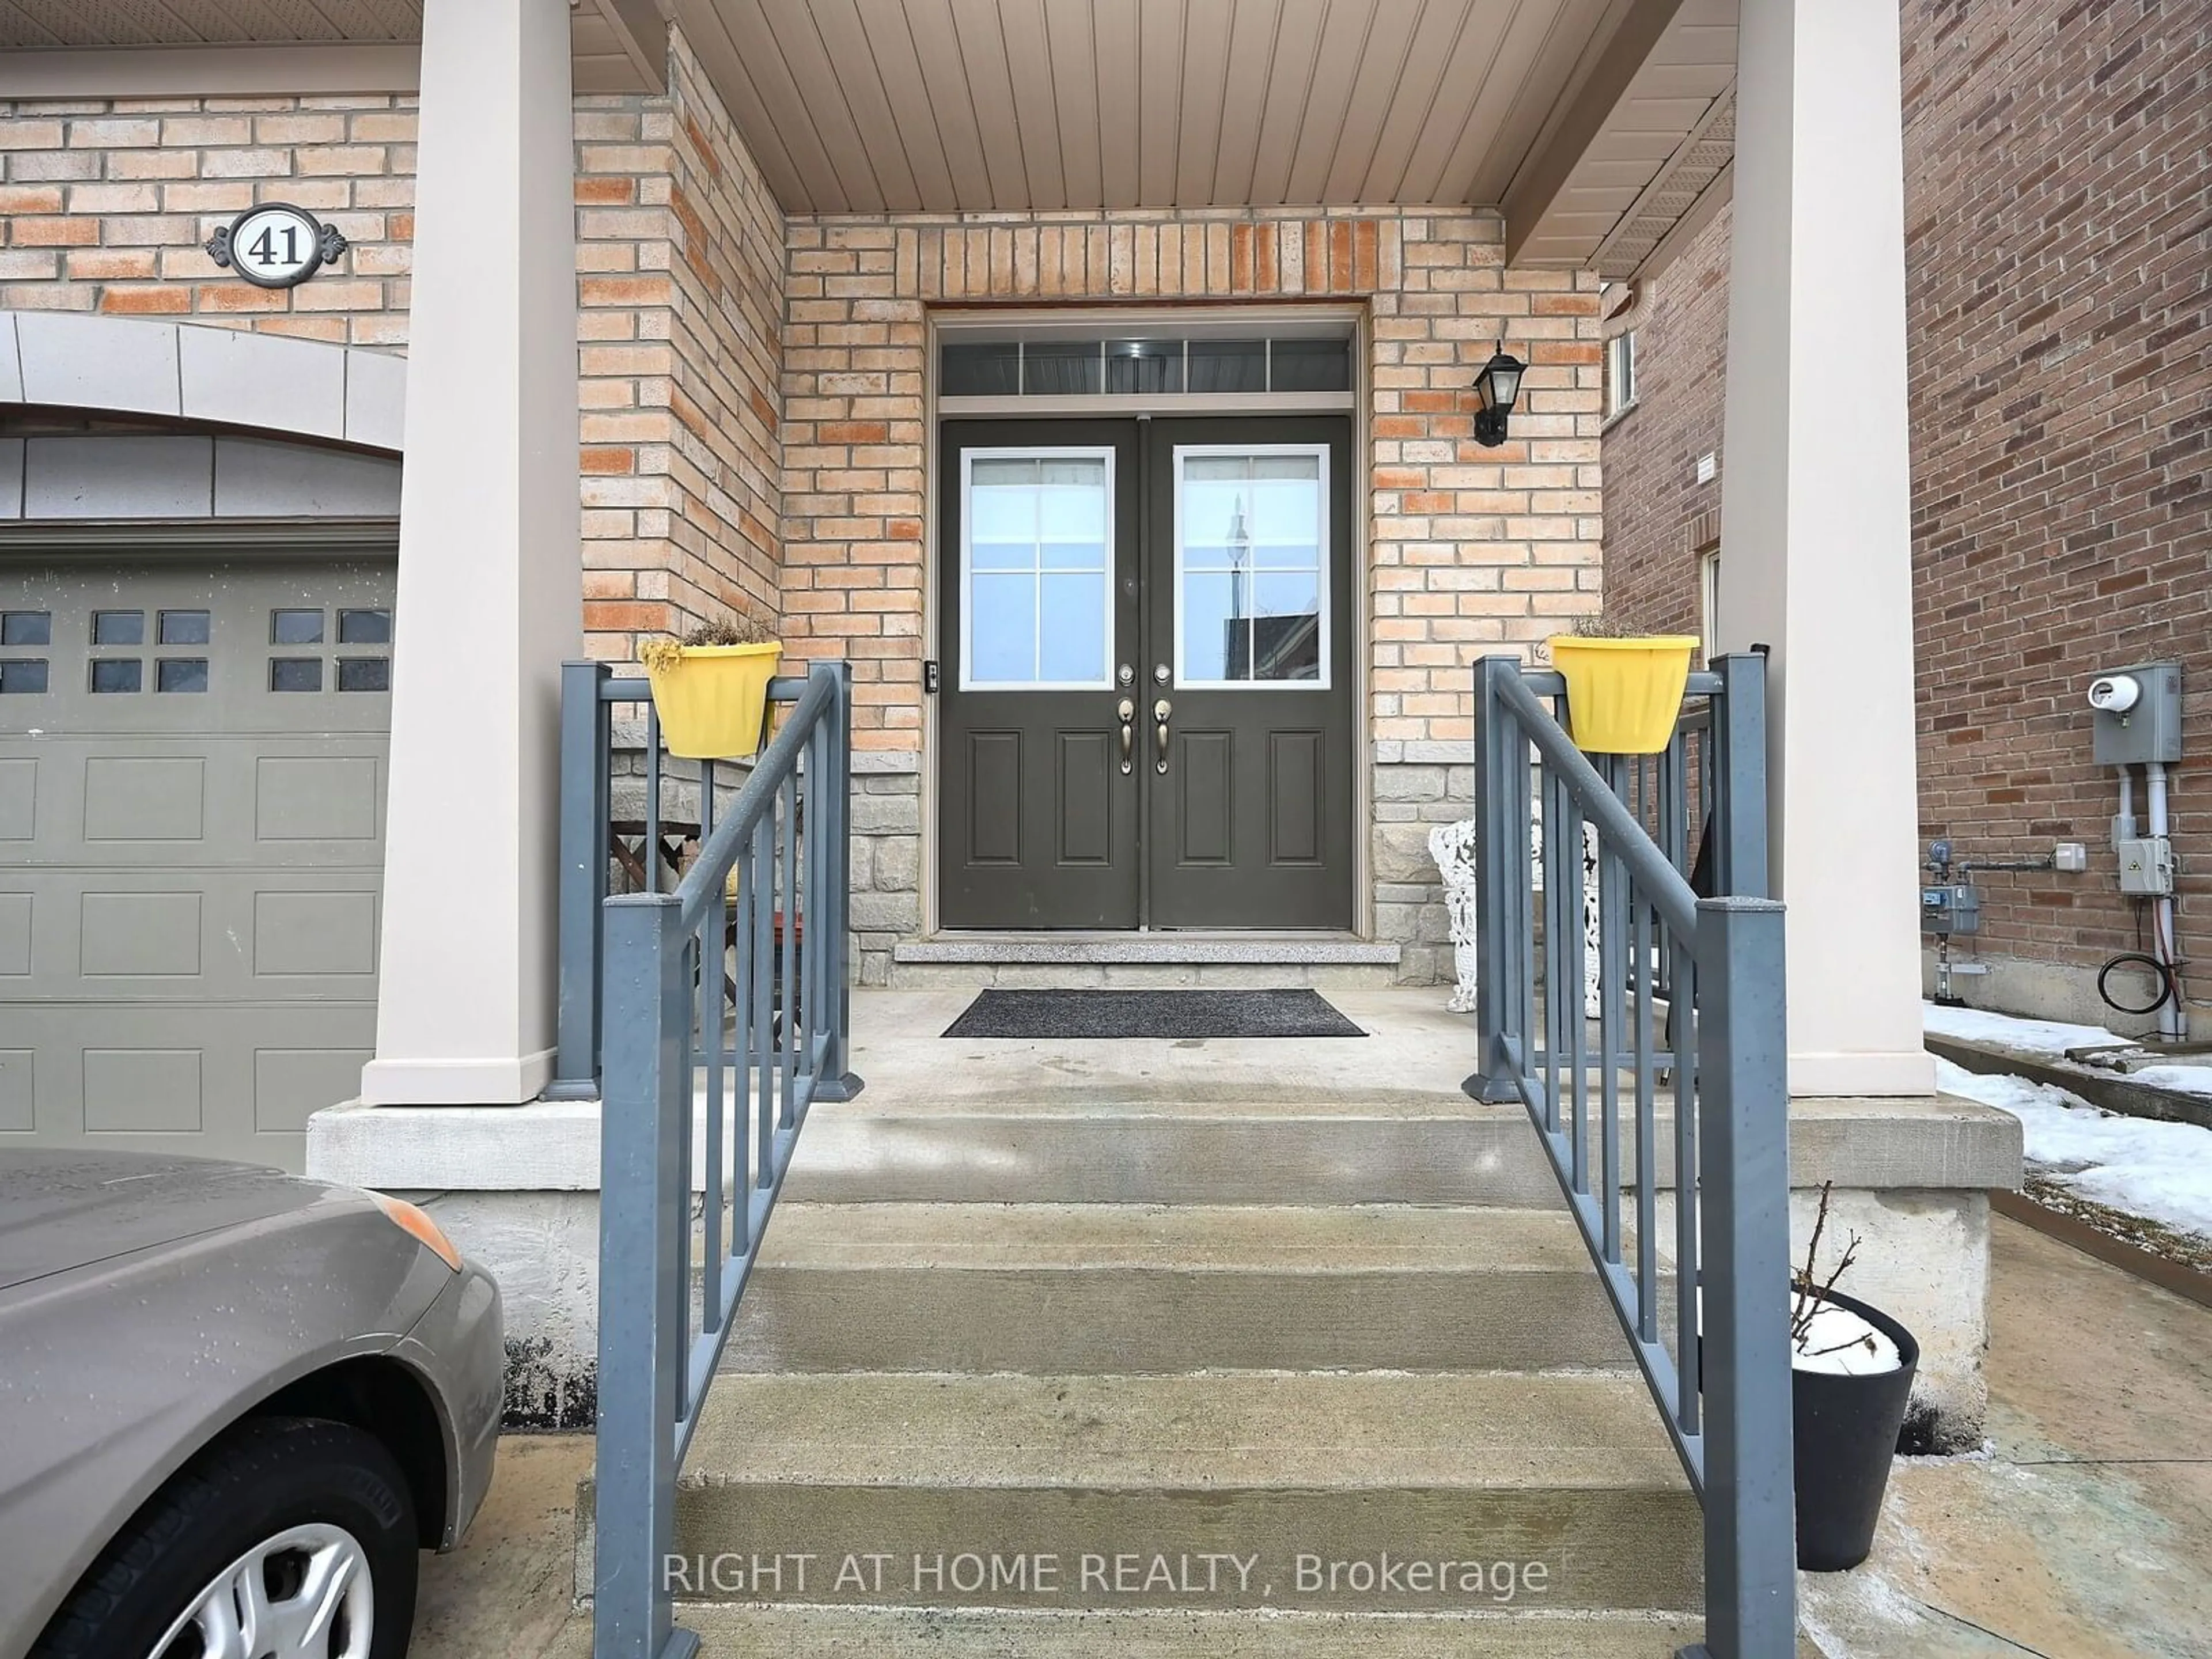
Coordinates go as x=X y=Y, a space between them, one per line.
x=1170 y=364
x=1708 y=601
x=1620 y=373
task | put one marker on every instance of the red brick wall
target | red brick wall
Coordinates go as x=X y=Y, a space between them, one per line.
x=1657 y=513
x=2058 y=158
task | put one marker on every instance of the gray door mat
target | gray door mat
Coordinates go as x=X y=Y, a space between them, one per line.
x=1035 y=1014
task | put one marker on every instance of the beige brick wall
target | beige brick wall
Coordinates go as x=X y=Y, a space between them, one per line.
x=105 y=205
x=680 y=255
x=1470 y=550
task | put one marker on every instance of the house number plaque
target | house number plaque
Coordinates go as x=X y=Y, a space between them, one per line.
x=276 y=244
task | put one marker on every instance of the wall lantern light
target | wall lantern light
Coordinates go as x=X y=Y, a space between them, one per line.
x=1498 y=388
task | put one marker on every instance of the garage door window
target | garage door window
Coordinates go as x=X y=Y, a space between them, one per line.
x=181 y=674
x=116 y=674
x=22 y=675
x=343 y=670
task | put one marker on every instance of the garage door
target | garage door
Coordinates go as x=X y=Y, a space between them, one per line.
x=192 y=817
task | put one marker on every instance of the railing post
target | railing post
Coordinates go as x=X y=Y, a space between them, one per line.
x=584 y=787
x=1498 y=747
x=1743 y=1195
x=837 y=1081
x=644 y=1133
x=1738 y=773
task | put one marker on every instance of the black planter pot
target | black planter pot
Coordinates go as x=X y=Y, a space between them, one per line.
x=1846 y=1430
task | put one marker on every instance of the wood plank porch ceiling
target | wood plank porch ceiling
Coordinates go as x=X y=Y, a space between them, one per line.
x=866 y=106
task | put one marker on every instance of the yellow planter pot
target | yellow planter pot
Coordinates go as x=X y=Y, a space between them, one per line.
x=1623 y=696
x=712 y=698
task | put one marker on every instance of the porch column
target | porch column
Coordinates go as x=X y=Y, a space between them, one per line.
x=1816 y=532
x=489 y=596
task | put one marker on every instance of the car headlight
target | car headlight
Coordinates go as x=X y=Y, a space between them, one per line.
x=417 y=1223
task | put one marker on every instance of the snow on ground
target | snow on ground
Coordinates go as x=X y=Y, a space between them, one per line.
x=2188 y=1079
x=2047 y=1039
x=2160 y=1171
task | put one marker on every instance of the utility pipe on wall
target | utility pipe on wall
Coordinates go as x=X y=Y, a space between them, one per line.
x=2172 y=1017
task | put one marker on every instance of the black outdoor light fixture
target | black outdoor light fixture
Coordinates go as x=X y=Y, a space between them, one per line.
x=1499 y=386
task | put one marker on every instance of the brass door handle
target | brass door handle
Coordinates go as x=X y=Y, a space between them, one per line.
x=1129 y=713
x=1161 y=710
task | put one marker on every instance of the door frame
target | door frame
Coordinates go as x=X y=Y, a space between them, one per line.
x=1138 y=321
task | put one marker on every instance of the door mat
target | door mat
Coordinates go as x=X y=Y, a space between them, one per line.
x=1290 y=1013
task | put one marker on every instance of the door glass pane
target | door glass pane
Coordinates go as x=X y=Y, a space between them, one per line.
x=1144 y=365
x=981 y=371
x=1251 y=568
x=1310 y=366
x=1059 y=371
x=1074 y=641
x=1038 y=573
x=1227 y=365
x=1003 y=628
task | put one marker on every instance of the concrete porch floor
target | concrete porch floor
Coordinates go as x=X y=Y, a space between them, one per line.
x=2083 y=1534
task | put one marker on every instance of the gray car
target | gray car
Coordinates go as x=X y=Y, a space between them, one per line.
x=233 y=1406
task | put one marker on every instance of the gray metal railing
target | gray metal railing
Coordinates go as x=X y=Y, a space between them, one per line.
x=1711 y=1337
x=722 y=1015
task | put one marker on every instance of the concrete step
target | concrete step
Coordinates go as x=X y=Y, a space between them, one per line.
x=1166 y=961
x=775 y=1632
x=1376 y=1119
x=1141 y=1288
x=1549 y=1493
x=1324 y=976
x=1123 y=1146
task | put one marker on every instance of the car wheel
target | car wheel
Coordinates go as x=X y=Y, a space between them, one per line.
x=289 y=1538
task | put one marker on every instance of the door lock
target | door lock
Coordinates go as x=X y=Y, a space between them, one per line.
x=1125 y=677
x=1129 y=713
x=1160 y=674
x=1161 y=710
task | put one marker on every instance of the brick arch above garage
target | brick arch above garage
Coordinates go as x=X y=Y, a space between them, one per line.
x=276 y=386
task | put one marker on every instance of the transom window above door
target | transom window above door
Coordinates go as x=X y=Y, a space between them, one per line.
x=1251 y=566
x=1036 y=569
x=1275 y=363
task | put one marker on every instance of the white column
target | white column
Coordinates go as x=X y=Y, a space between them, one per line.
x=490 y=600
x=1816 y=531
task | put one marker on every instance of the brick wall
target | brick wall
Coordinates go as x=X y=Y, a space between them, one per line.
x=1471 y=549
x=2058 y=158
x=681 y=255
x=105 y=205
x=1657 y=514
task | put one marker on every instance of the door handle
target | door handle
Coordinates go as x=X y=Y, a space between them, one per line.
x=1129 y=713
x=1161 y=710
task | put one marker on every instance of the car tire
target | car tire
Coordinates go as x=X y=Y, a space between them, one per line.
x=299 y=1496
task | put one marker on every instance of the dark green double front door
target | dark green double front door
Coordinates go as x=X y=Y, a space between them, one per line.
x=1146 y=683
